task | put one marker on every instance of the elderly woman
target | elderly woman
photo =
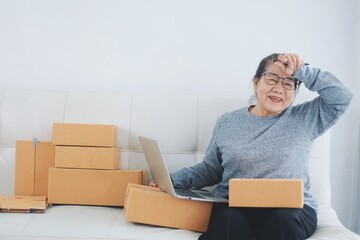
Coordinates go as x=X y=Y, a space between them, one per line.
x=271 y=139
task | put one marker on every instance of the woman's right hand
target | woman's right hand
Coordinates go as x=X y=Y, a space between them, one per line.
x=289 y=63
x=152 y=184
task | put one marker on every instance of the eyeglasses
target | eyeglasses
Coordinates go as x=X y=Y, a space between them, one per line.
x=288 y=83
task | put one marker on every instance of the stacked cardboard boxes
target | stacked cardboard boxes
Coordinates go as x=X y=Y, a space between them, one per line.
x=86 y=168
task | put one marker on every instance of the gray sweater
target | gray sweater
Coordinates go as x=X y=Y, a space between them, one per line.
x=248 y=146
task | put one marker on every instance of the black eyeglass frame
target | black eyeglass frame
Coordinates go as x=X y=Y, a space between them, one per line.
x=296 y=82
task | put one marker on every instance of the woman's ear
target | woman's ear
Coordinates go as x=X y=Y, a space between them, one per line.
x=255 y=82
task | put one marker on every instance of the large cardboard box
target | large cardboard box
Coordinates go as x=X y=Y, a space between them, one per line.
x=93 y=135
x=150 y=205
x=32 y=162
x=280 y=193
x=23 y=204
x=86 y=157
x=91 y=187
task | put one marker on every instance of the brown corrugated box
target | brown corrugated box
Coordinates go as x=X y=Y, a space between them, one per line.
x=32 y=161
x=91 y=187
x=149 y=205
x=23 y=204
x=75 y=134
x=280 y=193
x=87 y=157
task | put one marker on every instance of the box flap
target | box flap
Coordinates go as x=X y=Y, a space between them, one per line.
x=143 y=178
x=31 y=204
x=44 y=159
x=24 y=168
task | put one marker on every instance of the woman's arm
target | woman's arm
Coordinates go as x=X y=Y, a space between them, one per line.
x=322 y=112
x=206 y=173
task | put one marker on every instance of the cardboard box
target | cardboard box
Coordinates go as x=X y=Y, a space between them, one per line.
x=149 y=205
x=91 y=187
x=86 y=157
x=280 y=193
x=30 y=204
x=32 y=162
x=92 y=135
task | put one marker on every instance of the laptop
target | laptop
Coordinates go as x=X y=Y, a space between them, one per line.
x=161 y=176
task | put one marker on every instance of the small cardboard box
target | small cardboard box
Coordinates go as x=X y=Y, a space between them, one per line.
x=91 y=187
x=86 y=157
x=149 y=205
x=92 y=135
x=32 y=162
x=21 y=204
x=280 y=193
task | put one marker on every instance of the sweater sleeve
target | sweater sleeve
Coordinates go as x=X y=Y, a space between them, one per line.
x=206 y=173
x=322 y=112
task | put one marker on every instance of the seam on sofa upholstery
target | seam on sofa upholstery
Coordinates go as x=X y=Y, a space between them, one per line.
x=197 y=144
x=65 y=105
x=356 y=191
x=23 y=232
x=108 y=233
x=130 y=130
x=32 y=237
x=193 y=237
x=2 y=94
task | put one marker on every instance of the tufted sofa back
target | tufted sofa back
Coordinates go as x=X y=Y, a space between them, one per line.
x=181 y=123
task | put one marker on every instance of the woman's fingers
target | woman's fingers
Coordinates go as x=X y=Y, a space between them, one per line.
x=152 y=184
x=289 y=63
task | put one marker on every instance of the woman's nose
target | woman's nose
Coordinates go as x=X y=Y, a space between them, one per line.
x=278 y=87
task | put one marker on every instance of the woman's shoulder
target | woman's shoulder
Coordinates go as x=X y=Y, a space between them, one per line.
x=233 y=114
x=304 y=107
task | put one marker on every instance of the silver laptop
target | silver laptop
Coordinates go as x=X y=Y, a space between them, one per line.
x=160 y=174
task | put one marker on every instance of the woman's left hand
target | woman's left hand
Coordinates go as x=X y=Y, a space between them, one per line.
x=289 y=63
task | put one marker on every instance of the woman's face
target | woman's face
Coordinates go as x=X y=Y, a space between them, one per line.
x=271 y=99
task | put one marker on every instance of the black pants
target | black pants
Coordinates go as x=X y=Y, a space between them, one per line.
x=260 y=223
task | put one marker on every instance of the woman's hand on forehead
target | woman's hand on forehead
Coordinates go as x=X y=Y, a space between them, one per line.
x=289 y=63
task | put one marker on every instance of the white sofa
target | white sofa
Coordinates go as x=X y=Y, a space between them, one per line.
x=182 y=124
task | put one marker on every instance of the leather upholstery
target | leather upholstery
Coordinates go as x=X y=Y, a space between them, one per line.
x=181 y=123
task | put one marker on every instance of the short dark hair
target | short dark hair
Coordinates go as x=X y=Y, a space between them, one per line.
x=263 y=65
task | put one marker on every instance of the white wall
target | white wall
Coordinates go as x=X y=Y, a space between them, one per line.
x=201 y=47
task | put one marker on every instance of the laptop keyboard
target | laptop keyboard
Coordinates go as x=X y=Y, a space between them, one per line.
x=186 y=193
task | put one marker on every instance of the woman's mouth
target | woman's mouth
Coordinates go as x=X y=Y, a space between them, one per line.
x=275 y=99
